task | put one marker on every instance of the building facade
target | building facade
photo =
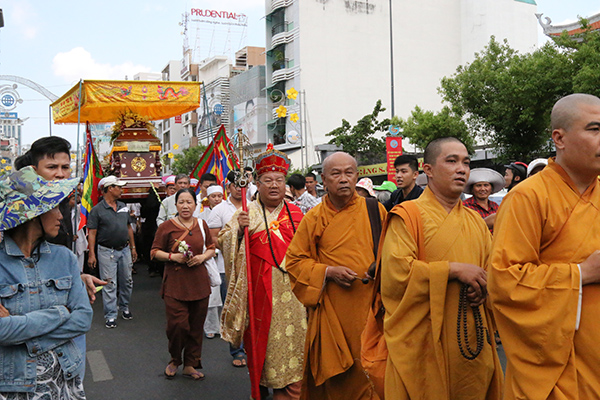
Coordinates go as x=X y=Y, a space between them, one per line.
x=337 y=54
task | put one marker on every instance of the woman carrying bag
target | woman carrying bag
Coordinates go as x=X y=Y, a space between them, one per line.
x=184 y=245
x=44 y=303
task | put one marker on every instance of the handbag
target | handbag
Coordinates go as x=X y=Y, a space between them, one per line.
x=211 y=264
x=374 y=352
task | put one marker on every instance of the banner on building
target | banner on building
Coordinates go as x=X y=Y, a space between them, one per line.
x=393 y=150
x=372 y=170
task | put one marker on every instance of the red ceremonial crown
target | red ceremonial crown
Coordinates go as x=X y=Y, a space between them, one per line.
x=272 y=161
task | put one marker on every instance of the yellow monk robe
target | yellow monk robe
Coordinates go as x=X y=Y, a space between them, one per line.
x=421 y=305
x=336 y=316
x=543 y=230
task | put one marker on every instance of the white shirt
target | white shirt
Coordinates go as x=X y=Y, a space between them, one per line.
x=167 y=210
x=221 y=214
x=204 y=215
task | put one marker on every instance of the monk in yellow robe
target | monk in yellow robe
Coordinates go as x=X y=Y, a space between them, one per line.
x=433 y=261
x=545 y=265
x=332 y=249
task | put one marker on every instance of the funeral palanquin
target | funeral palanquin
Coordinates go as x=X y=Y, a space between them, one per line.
x=135 y=159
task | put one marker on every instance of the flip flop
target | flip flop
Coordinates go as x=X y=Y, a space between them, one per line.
x=170 y=371
x=241 y=359
x=196 y=375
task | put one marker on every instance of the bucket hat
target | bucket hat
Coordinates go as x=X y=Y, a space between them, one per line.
x=367 y=184
x=25 y=195
x=485 y=175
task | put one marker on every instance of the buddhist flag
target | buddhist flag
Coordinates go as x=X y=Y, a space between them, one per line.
x=92 y=173
x=218 y=158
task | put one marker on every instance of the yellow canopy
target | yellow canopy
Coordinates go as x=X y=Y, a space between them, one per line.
x=102 y=101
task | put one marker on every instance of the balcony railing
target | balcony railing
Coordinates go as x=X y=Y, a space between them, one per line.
x=276 y=4
x=277 y=65
x=278 y=28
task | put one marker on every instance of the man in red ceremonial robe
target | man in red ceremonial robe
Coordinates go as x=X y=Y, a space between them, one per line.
x=279 y=318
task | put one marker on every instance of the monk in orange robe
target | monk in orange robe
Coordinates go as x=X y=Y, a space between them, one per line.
x=433 y=261
x=332 y=248
x=545 y=265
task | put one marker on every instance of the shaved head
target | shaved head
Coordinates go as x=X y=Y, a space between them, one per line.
x=567 y=109
x=338 y=158
x=434 y=148
x=340 y=174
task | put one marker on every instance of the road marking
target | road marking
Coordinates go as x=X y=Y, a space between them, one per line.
x=99 y=366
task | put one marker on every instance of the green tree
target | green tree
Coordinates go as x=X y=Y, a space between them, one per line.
x=424 y=126
x=359 y=140
x=506 y=97
x=185 y=162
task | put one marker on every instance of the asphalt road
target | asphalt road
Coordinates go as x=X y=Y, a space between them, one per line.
x=128 y=362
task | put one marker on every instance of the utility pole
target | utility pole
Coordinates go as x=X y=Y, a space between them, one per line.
x=392 y=59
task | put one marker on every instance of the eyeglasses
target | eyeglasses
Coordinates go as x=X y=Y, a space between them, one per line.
x=270 y=182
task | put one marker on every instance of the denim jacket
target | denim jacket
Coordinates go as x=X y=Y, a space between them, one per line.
x=48 y=306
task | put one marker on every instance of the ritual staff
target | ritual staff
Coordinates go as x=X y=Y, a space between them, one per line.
x=279 y=318
x=332 y=248
x=433 y=287
x=545 y=265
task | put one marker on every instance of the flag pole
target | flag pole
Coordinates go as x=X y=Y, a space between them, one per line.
x=242 y=183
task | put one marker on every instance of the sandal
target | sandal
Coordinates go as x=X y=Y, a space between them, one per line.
x=239 y=361
x=210 y=335
x=170 y=371
x=196 y=375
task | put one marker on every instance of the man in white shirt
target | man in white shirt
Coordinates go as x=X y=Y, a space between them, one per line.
x=212 y=325
x=219 y=216
x=202 y=202
x=167 y=208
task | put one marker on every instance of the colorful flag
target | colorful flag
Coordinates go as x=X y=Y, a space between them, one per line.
x=92 y=173
x=218 y=158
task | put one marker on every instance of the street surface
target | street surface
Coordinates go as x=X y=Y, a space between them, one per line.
x=127 y=363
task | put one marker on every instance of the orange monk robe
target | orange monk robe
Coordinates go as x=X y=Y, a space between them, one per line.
x=336 y=316
x=421 y=306
x=543 y=230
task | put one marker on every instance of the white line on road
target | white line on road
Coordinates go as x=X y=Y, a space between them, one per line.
x=99 y=366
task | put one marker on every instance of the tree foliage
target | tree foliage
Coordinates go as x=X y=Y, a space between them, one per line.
x=424 y=126
x=360 y=140
x=506 y=97
x=185 y=162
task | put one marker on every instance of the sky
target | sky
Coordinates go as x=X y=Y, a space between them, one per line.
x=57 y=43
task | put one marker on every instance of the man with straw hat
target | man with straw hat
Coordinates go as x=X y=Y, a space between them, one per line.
x=482 y=183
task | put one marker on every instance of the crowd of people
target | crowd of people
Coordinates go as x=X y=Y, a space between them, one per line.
x=400 y=291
